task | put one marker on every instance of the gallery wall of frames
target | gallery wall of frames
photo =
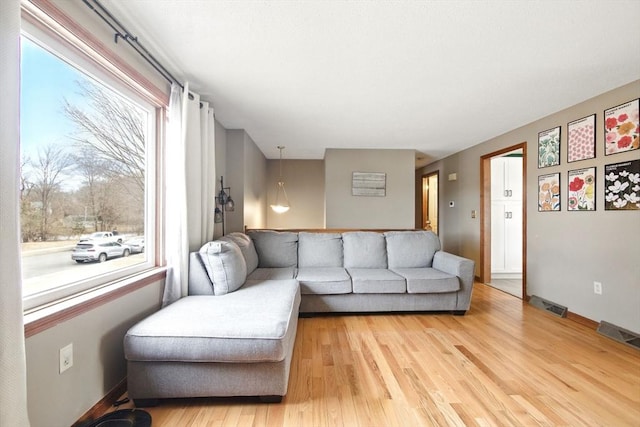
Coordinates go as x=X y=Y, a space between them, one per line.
x=621 y=127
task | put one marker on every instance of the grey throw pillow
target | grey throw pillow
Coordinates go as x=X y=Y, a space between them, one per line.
x=225 y=266
x=247 y=248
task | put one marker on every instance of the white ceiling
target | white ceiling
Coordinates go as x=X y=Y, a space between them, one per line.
x=435 y=76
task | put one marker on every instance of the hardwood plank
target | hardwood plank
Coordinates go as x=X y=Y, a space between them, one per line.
x=503 y=364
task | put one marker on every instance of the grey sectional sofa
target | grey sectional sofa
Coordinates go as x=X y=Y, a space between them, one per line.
x=234 y=334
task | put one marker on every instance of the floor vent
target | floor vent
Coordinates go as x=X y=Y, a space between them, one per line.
x=549 y=306
x=619 y=334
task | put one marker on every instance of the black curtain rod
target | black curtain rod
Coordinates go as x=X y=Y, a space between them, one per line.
x=122 y=33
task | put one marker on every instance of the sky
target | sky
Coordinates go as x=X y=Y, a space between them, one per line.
x=45 y=82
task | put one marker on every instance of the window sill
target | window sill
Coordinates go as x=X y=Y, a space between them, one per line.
x=43 y=318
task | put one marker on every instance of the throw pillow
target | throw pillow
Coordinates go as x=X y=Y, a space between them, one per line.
x=247 y=248
x=225 y=266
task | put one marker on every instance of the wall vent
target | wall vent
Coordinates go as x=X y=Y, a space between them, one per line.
x=551 y=307
x=619 y=334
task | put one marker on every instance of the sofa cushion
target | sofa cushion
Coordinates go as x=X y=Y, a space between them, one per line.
x=247 y=248
x=376 y=281
x=284 y=273
x=364 y=249
x=275 y=248
x=225 y=266
x=323 y=280
x=428 y=280
x=319 y=250
x=249 y=325
x=411 y=249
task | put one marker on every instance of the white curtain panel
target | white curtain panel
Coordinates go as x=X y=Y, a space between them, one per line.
x=208 y=167
x=13 y=380
x=191 y=185
x=176 y=200
x=200 y=164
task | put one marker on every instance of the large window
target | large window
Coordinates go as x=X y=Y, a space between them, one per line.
x=88 y=177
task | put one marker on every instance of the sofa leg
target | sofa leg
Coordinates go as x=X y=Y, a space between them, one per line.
x=145 y=403
x=271 y=399
x=459 y=312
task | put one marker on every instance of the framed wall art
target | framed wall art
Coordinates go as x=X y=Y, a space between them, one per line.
x=549 y=148
x=621 y=125
x=582 y=190
x=369 y=184
x=622 y=186
x=549 y=192
x=581 y=139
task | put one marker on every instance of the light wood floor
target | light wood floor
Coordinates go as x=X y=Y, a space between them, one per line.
x=510 y=286
x=504 y=363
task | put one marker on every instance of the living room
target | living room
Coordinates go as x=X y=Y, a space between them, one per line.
x=565 y=251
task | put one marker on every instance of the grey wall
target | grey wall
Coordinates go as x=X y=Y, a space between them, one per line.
x=304 y=183
x=395 y=210
x=566 y=251
x=58 y=400
x=246 y=175
x=255 y=186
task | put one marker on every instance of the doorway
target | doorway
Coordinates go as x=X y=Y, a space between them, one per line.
x=430 y=202
x=503 y=225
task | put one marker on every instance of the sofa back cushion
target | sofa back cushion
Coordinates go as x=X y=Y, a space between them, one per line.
x=225 y=266
x=364 y=249
x=411 y=249
x=275 y=249
x=247 y=248
x=319 y=250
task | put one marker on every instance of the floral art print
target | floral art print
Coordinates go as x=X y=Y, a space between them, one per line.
x=622 y=128
x=581 y=139
x=582 y=190
x=622 y=186
x=549 y=192
x=549 y=148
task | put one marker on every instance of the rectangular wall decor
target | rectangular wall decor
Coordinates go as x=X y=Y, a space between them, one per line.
x=549 y=192
x=622 y=186
x=369 y=184
x=582 y=189
x=621 y=125
x=549 y=148
x=581 y=139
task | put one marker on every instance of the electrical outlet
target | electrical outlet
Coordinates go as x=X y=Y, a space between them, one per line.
x=597 y=288
x=66 y=357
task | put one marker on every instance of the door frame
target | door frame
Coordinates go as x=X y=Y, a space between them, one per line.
x=485 y=206
x=425 y=202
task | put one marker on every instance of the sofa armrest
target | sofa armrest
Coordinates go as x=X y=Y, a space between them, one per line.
x=464 y=268
x=199 y=282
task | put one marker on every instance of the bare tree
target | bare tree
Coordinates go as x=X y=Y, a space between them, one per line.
x=48 y=171
x=112 y=127
x=92 y=168
x=29 y=217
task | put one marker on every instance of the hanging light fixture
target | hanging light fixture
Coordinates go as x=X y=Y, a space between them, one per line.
x=281 y=204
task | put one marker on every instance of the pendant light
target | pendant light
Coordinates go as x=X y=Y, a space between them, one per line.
x=281 y=204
